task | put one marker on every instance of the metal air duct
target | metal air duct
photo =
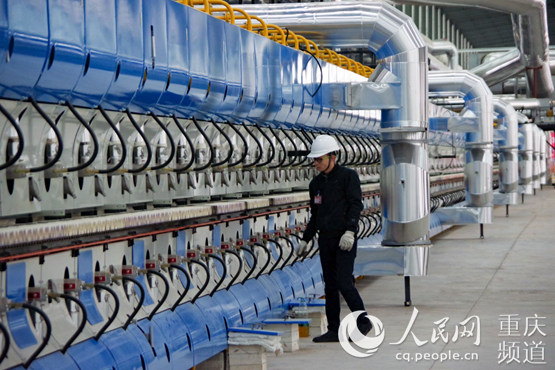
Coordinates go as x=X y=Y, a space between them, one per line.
x=508 y=149
x=479 y=144
x=531 y=38
x=526 y=157
x=397 y=43
x=445 y=47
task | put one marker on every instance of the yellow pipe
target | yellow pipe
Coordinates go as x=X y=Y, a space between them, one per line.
x=277 y=34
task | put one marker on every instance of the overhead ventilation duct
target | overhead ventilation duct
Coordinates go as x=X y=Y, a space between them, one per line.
x=479 y=143
x=531 y=38
x=398 y=87
x=501 y=68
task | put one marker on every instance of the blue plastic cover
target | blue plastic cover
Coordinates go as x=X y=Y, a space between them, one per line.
x=100 y=49
x=208 y=333
x=130 y=64
x=91 y=355
x=124 y=349
x=139 y=261
x=66 y=55
x=178 y=59
x=16 y=292
x=27 y=46
x=155 y=76
x=54 y=360
x=88 y=297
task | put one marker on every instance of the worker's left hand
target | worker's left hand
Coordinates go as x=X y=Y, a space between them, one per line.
x=347 y=241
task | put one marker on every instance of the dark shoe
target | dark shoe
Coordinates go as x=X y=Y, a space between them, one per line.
x=364 y=328
x=327 y=337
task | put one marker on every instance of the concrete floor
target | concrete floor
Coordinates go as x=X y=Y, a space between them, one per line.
x=505 y=279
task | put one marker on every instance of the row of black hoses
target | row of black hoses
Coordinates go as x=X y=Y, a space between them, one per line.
x=369 y=224
x=141 y=293
x=364 y=149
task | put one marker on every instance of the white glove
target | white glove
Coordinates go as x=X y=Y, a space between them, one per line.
x=302 y=248
x=347 y=241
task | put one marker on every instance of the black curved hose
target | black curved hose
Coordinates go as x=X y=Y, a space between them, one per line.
x=293 y=157
x=376 y=144
x=364 y=229
x=209 y=162
x=307 y=252
x=229 y=142
x=304 y=158
x=299 y=239
x=203 y=288
x=340 y=160
x=292 y=253
x=312 y=247
x=81 y=324
x=170 y=138
x=6 y=346
x=260 y=151
x=141 y=300
x=93 y=137
x=58 y=155
x=379 y=218
x=245 y=145
x=272 y=148
x=147 y=144
x=46 y=338
x=358 y=159
x=182 y=295
x=114 y=314
x=372 y=148
x=364 y=158
x=120 y=138
x=217 y=258
x=19 y=133
x=367 y=154
x=282 y=147
x=255 y=262
x=189 y=141
x=268 y=254
x=238 y=270
x=280 y=249
x=351 y=162
x=164 y=296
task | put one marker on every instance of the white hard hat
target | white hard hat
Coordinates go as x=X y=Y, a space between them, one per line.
x=322 y=145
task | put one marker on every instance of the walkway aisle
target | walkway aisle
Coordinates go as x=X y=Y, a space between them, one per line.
x=506 y=280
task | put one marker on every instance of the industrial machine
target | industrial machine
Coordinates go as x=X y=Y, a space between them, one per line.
x=153 y=169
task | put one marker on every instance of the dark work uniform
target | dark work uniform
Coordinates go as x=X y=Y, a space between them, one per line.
x=335 y=205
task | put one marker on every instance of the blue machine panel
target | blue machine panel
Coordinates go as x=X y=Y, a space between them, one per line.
x=54 y=360
x=25 y=33
x=178 y=59
x=66 y=55
x=207 y=329
x=246 y=301
x=100 y=53
x=17 y=319
x=139 y=261
x=88 y=297
x=260 y=296
x=130 y=64
x=230 y=307
x=156 y=72
x=123 y=348
x=91 y=355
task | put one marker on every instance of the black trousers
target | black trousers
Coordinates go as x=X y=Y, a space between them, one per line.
x=337 y=268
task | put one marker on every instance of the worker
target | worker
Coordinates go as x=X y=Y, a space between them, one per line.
x=335 y=206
